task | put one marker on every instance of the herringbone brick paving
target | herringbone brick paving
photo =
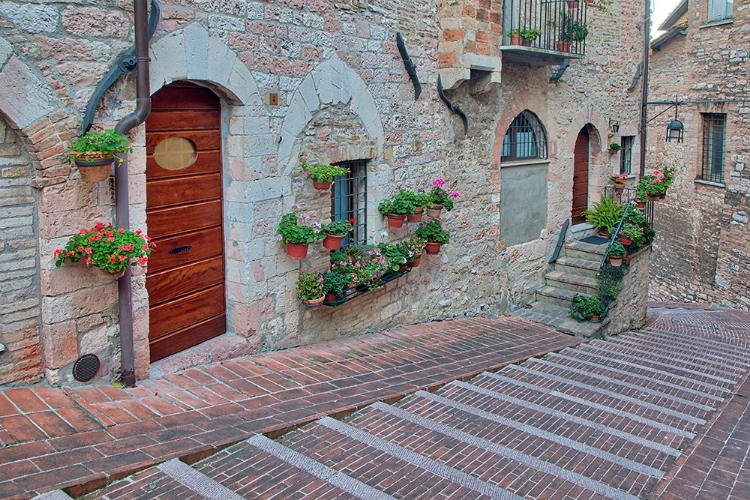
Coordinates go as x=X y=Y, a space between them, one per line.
x=649 y=414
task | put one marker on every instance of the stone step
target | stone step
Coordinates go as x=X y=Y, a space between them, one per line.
x=581 y=250
x=559 y=318
x=581 y=267
x=556 y=296
x=581 y=284
x=462 y=433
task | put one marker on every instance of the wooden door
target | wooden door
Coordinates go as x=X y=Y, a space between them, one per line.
x=185 y=276
x=580 y=176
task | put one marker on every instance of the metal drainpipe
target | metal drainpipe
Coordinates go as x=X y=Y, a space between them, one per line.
x=644 y=92
x=122 y=201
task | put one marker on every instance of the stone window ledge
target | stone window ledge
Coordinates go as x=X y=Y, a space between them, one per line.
x=524 y=163
x=710 y=183
x=720 y=22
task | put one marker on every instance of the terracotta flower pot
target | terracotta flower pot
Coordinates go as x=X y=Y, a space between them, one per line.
x=563 y=46
x=595 y=318
x=332 y=241
x=415 y=262
x=639 y=204
x=396 y=220
x=117 y=275
x=434 y=211
x=615 y=261
x=416 y=216
x=314 y=302
x=625 y=240
x=432 y=248
x=321 y=185
x=95 y=171
x=296 y=251
x=516 y=39
x=331 y=297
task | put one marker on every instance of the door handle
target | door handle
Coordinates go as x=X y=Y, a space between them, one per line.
x=180 y=249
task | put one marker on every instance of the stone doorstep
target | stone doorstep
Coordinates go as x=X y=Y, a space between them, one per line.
x=581 y=284
x=559 y=318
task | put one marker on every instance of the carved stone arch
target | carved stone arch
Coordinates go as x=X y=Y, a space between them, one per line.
x=523 y=102
x=332 y=83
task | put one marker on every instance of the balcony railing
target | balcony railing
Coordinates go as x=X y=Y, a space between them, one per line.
x=552 y=27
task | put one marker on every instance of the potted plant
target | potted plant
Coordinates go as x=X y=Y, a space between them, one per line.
x=94 y=152
x=524 y=36
x=310 y=289
x=297 y=236
x=433 y=233
x=605 y=214
x=587 y=307
x=652 y=186
x=395 y=258
x=580 y=31
x=613 y=148
x=412 y=249
x=110 y=248
x=616 y=252
x=334 y=285
x=395 y=209
x=440 y=197
x=323 y=174
x=618 y=181
x=335 y=232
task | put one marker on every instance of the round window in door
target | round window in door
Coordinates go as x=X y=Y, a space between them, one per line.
x=175 y=153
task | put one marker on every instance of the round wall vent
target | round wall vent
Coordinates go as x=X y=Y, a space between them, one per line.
x=85 y=367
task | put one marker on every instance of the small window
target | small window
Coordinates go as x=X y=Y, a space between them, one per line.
x=719 y=9
x=714 y=133
x=525 y=139
x=349 y=200
x=626 y=154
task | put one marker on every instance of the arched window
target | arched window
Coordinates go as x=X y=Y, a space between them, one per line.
x=525 y=139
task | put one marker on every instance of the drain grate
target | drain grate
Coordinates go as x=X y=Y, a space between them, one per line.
x=85 y=368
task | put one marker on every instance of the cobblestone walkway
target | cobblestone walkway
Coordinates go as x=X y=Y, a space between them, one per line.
x=656 y=413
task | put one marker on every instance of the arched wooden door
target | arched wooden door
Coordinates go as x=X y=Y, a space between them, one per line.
x=580 y=176
x=185 y=275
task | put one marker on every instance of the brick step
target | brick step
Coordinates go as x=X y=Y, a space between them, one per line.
x=573 y=282
x=577 y=402
x=729 y=349
x=566 y=382
x=476 y=446
x=668 y=364
x=594 y=437
x=581 y=267
x=559 y=318
x=705 y=393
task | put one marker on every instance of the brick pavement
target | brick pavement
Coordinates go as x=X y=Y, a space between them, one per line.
x=80 y=438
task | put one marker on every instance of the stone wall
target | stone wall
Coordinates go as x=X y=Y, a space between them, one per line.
x=343 y=94
x=628 y=311
x=702 y=251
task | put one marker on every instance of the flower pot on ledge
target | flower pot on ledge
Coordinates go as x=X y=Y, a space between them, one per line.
x=434 y=211
x=416 y=216
x=314 y=302
x=432 y=248
x=296 y=251
x=333 y=242
x=321 y=185
x=396 y=220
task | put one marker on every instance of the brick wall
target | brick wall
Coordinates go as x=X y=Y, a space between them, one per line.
x=20 y=307
x=702 y=249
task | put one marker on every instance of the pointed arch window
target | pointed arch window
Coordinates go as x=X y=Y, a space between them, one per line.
x=525 y=139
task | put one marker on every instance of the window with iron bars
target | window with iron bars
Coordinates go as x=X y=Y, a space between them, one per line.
x=714 y=133
x=349 y=200
x=525 y=139
x=626 y=154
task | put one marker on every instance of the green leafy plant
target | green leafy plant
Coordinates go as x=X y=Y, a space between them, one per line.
x=107 y=247
x=601 y=5
x=93 y=146
x=528 y=34
x=310 y=286
x=395 y=205
x=291 y=231
x=412 y=248
x=616 y=250
x=604 y=214
x=335 y=282
x=614 y=148
x=440 y=195
x=633 y=232
x=580 y=32
x=609 y=282
x=433 y=232
x=338 y=227
x=586 y=306
x=394 y=255
x=321 y=172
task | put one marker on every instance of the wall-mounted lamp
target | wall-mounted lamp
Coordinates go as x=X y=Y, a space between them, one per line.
x=614 y=125
x=675 y=129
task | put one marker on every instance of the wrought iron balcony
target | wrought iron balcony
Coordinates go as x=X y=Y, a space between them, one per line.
x=543 y=32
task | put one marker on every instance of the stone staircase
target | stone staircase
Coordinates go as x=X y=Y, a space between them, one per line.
x=603 y=420
x=574 y=272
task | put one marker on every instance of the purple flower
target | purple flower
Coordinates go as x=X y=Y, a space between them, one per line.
x=455 y=194
x=438 y=182
x=296 y=206
x=279 y=237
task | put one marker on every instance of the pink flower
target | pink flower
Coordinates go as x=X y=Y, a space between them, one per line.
x=89 y=251
x=121 y=230
x=58 y=251
x=143 y=260
x=657 y=181
x=99 y=226
x=111 y=239
x=455 y=194
x=112 y=258
x=87 y=260
x=279 y=237
x=438 y=182
x=123 y=258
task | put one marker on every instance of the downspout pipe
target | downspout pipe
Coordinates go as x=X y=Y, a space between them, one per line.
x=644 y=83
x=122 y=196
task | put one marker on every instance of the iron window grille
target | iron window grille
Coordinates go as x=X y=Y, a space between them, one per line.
x=626 y=154
x=525 y=139
x=714 y=133
x=349 y=200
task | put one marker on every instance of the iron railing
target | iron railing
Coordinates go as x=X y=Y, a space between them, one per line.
x=560 y=25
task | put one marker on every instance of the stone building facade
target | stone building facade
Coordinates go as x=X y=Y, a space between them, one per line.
x=703 y=250
x=287 y=78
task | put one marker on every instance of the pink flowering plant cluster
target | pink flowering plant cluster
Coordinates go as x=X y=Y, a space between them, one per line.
x=293 y=228
x=310 y=286
x=107 y=247
x=362 y=265
x=618 y=178
x=655 y=183
x=441 y=195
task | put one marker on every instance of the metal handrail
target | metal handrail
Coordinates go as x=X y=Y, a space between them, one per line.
x=555 y=21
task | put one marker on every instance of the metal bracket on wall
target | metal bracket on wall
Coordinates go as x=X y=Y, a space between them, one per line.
x=636 y=77
x=410 y=67
x=560 y=71
x=560 y=242
x=451 y=106
x=125 y=64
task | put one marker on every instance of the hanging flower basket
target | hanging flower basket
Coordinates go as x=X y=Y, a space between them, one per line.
x=416 y=216
x=321 y=185
x=432 y=248
x=296 y=251
x=95 y=171
x=333 y=242
x=396 y=220
x=434 y=211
